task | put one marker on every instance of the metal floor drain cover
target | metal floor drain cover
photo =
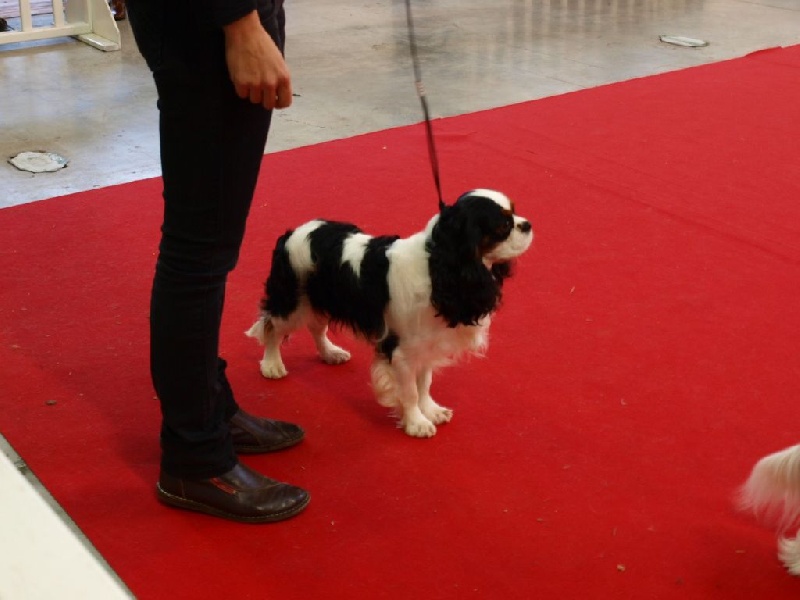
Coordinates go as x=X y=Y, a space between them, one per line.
x=38 y=162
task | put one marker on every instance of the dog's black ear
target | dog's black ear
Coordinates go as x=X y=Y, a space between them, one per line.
x=463 y=289
x=501 y=272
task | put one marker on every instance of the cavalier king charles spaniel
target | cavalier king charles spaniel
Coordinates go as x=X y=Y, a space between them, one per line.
x=772 y=492
x=420 y=301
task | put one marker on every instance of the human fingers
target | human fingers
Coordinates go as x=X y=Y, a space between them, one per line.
x=268 y=97
x=243 y=91
x=284 y=96
x=255 y=95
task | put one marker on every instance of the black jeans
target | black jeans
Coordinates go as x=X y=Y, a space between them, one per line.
x=212 y=144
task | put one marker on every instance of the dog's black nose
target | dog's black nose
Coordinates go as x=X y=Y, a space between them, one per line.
x=525 y=226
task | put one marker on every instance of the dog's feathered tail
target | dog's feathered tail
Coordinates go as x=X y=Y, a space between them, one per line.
x=772 y=493
x=258 y=330
x=384 y=384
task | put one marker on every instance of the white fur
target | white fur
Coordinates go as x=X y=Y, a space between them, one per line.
x=298 y=248
x=354 y=249
x=772 y=492
x=515 y=245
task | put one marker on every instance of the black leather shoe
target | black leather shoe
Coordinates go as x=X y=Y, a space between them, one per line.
x=253 y=435
x=241 y=494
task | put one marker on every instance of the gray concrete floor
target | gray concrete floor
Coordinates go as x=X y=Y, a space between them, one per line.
x=352 y=72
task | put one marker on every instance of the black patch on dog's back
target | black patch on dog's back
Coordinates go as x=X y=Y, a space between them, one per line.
x=281 y=293
x=375 y=286
x=334 y=289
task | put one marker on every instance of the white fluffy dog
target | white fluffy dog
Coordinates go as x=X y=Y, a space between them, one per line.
x=772 y=492
x=419 y=301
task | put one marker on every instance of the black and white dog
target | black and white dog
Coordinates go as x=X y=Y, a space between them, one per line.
x=421 y=301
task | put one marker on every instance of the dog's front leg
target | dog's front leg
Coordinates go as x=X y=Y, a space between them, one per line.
x=436 y=413
x=414 y=422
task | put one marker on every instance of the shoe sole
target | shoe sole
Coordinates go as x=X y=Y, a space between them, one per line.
x=178 y=502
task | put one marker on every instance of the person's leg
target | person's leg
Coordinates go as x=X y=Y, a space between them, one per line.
x=212 y=145
x=211 y=151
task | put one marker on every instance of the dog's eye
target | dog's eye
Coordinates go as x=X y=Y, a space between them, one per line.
x=504 y=229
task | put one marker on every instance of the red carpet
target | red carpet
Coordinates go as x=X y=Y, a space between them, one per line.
x=645 y=358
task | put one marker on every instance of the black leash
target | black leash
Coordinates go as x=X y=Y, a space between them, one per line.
x=412 y=41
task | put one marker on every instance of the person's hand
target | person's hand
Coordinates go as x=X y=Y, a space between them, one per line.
x=256 y=65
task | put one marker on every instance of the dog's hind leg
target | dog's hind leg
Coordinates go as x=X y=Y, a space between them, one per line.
x=328 y=351
x=270 y=332
x=436 y=413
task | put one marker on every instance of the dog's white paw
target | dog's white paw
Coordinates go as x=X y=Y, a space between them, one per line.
x=435 y=413
x=789 y=553
x=439 y=414
x=334 y=355
x=421 y=428
x=273 y=369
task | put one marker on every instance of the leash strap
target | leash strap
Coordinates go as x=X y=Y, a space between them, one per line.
x=412 y=40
